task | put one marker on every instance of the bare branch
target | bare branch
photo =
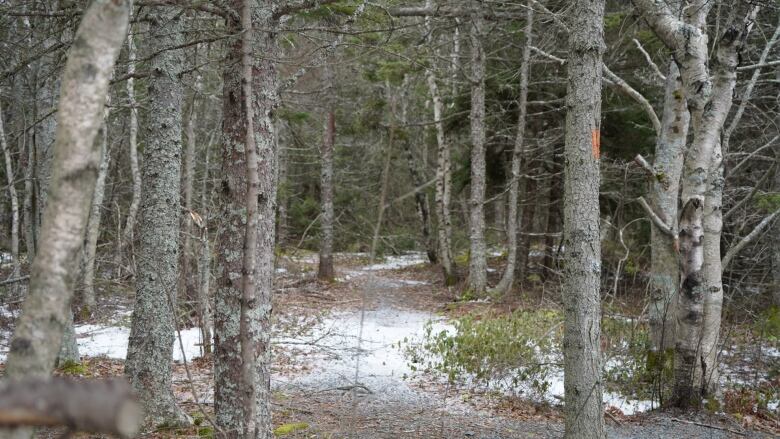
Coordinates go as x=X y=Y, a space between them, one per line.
x=629 y=91
x=747 y=239
x=656 y=219
x=650 y=62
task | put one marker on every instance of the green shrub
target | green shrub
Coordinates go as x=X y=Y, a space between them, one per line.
x=511 y=349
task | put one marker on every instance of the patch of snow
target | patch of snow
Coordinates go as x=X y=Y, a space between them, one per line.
x=281 y=270
x=111 y=342
x=396 y=262
x=333 y=347
x=6 y=258
x=413 y=282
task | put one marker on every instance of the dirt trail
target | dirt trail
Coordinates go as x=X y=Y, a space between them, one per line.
x=381 y=402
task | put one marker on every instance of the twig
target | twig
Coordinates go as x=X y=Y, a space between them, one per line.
x=715 y=427
x=14 y=280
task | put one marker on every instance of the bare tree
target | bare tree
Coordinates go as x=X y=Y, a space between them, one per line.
x=513 y=228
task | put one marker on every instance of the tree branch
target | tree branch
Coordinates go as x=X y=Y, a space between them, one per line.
x=747 y=239
x=650 y=62
x=95 y=406
x=656 y=219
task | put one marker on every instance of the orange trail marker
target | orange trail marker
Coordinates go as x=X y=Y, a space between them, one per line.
x=596 y=143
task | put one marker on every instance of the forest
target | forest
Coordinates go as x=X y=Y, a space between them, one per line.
x=390 y=219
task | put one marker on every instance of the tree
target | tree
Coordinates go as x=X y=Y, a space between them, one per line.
x=38 y=334
x=242 y=378
x=477 y=282
x=709 y=99
x=150 y=347
x=582 y=269
x=325 y=269
x=513 y=228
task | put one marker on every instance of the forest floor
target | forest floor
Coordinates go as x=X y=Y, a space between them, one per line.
x=340 y=368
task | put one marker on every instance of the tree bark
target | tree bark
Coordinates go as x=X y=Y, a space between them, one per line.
x=584 y=416
x=93 y=225
x=13 y=196
x=477 y=281
x=38 y=335
x=420 y=196
x=664 y=269
x=514 y=215
x=325 y=270
x=709 y=101
x=229 y=397
x=127 y=236
x=152 y=334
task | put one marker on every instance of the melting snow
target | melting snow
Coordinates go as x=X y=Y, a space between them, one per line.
x=396 y=262
x=382 y=364
x=111 y=342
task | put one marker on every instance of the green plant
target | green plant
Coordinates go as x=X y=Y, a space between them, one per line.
x=511 y=349
x=285 y=429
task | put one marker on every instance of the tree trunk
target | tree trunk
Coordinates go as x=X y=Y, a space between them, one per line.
x=443 y=193
x=664 y=269
x=526 y=223
x=152 y=334
x=93 y=225
x=229 y=398
x=38 y=334
x=187 y=281
x=385 y=178
x=554 y=211
x=582 y=270
x=204 y=263
x=517 y=162
x=776 y=233
x=325 y=271
x=28 y=213
x=127 y=235
x=420 y=196
x=477 y=281
x=69 y=349
x=709 y=102
x=12 y=195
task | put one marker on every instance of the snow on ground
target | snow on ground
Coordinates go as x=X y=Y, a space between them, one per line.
x=382 y=366
x=397 y=262
x=111 y=342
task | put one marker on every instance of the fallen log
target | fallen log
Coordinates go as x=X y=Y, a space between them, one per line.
x=94 y=406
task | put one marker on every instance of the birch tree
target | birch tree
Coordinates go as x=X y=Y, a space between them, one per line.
x=38 y=334
x=582 y=269
x=709 y=99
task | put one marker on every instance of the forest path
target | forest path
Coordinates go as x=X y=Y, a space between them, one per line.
x=383 y=305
